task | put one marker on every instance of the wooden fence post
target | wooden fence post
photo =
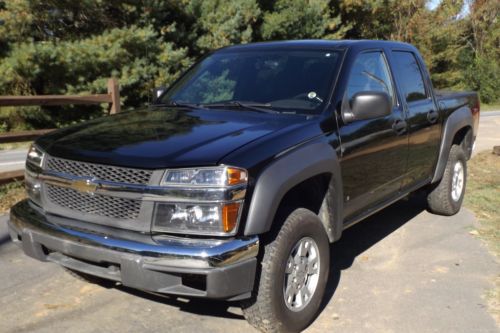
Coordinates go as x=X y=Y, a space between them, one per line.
x=10 y=176
x=114 y=92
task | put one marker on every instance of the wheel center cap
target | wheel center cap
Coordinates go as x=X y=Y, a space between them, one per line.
x=301 y=272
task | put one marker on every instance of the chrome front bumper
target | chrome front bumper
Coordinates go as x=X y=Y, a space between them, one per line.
x=219 y=268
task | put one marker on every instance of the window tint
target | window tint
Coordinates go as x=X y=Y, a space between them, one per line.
x=290 y=80
x=369 y=73
x=410 y=76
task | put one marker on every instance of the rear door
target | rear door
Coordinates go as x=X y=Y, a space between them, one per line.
x=374 y=151
x=422 y=116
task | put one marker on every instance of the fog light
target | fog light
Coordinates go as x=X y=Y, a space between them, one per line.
x=33 y=188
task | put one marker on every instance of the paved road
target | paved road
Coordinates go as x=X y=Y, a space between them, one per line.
x=402 y=270
x=489 y=128
x=12 y=159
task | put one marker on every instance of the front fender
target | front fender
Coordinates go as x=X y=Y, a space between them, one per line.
x=287 y=171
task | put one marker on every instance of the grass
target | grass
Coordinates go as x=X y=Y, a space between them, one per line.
x=14 y=145
x=483 y=198
x=490 y=107
x=9 y=195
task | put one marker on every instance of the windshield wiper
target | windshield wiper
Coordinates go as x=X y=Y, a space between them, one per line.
x=260 y=107
x=180 y=105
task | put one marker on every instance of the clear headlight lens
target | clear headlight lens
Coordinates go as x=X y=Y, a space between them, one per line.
x=216 y=176
x=219 y=218
x=35 y=156
x=200 y=219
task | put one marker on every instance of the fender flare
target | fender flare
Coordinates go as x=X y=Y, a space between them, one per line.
x=458 y=120
x=289 y=170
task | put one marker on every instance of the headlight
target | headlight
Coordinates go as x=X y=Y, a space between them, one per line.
x=200 y=219
x=216 y=176
x=35 y=156
x=205 y=215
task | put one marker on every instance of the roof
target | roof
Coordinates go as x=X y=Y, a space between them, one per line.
x=317 y=44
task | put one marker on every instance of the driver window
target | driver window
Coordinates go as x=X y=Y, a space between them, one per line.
x=369 y=73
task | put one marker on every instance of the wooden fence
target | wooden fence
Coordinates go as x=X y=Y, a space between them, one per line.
x=112 y=98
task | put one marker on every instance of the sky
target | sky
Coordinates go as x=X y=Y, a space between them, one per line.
x=432 y=4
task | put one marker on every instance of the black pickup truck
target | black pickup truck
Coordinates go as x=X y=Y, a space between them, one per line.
x=235 y=181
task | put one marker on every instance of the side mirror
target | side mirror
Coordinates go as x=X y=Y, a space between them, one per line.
x=367 y=105
x=157 y=92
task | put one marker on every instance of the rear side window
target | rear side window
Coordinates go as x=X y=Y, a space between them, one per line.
x=369 y=73
x=410 y=76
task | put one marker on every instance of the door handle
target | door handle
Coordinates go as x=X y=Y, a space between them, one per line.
x=432 y=116
x=399 y=126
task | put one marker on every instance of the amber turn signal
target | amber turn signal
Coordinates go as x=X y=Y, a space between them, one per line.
x=230 y=214
x=236 y=176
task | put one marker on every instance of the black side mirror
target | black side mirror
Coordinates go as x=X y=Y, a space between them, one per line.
x=157 y=92
x=367 y=105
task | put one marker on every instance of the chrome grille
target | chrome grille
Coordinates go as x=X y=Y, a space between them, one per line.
x=95 y=204
x=99 y=171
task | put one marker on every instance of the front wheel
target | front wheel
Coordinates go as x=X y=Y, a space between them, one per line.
x=293 y=276
x=446 y=198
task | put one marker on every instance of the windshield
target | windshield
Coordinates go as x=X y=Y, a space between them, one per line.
x=294 y=81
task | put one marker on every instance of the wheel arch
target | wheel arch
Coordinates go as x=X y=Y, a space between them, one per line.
x=308 y=177
x=456 y=130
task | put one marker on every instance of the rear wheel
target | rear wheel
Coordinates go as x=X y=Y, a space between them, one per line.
x=293 y=276
x=446 y=198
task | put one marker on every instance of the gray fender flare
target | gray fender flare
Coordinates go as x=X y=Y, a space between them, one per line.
x=289 y=170
x=459 y=119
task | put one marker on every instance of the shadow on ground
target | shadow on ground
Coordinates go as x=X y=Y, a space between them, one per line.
x=367 y=233
x=354 y=242
x=4 y=240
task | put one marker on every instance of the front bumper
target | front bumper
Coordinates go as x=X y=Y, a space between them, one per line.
x=171 y=265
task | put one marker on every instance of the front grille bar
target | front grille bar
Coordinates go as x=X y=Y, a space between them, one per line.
x=95 y=204
x=148 y=192
x=99 y=171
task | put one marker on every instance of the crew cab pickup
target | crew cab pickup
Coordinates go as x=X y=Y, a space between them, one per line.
x=235 y=181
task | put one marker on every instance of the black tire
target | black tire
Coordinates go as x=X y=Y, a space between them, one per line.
x=267 y=310
x=441 y=199
x=90 y=278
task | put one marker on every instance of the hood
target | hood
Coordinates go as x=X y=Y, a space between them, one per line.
x=163 y=137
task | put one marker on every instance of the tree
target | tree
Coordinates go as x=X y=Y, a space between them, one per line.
x=44 y=57
x=296 y=19
x=481 y=58
x=221 y=23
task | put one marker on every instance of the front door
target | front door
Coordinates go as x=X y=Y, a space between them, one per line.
x=374 y=151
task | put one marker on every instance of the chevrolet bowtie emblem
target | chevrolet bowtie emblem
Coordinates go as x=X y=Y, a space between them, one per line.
x=88 y=186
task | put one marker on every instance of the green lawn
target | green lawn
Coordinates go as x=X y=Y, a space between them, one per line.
x=483 y=198
x=14 y=145
x=9 y=195
x=490 y=107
